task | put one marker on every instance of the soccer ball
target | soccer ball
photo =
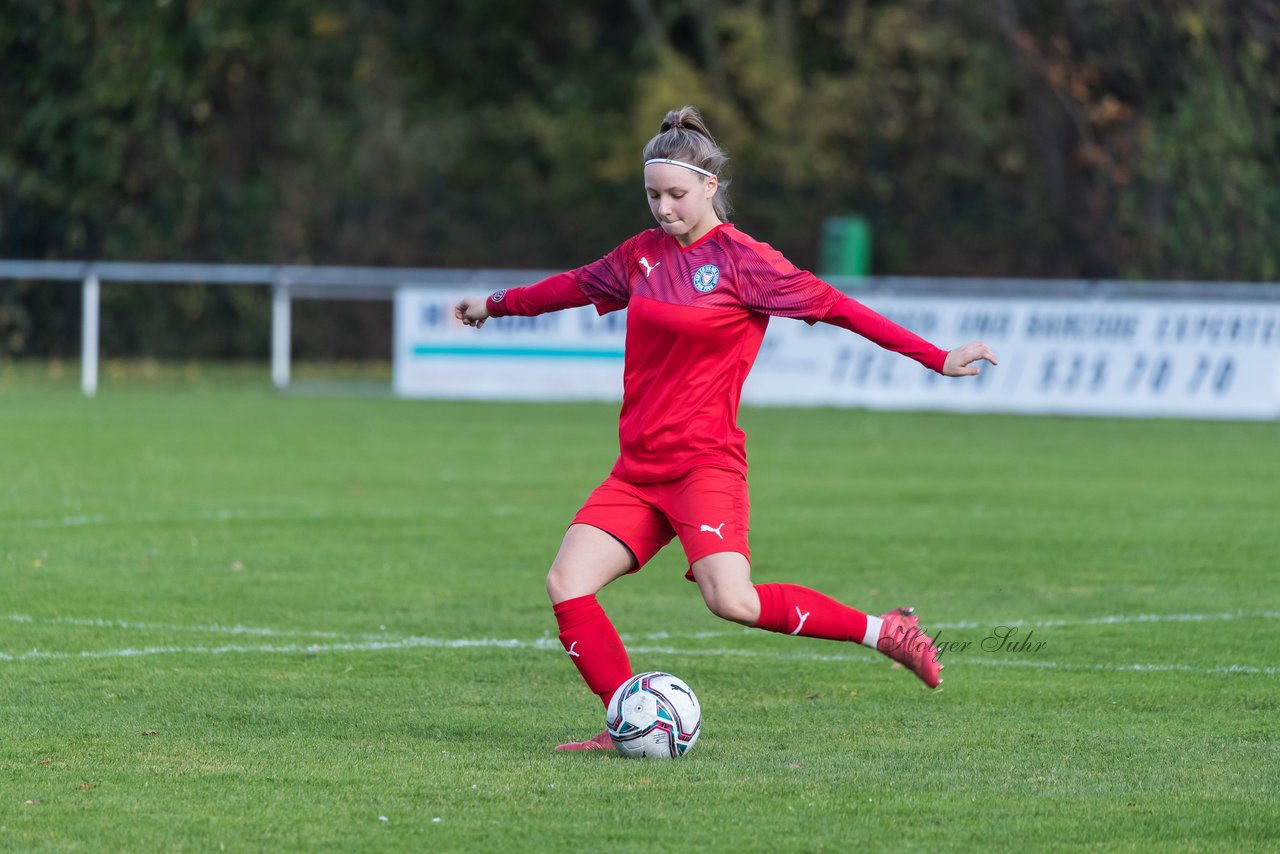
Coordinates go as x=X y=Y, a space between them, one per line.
x=654 y=716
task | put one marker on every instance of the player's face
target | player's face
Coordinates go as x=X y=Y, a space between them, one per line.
x=680 y=200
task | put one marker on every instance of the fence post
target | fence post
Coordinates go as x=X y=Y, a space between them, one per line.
x=89 y=332
x=281 y=331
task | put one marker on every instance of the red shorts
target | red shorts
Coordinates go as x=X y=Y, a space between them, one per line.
x=708 y=509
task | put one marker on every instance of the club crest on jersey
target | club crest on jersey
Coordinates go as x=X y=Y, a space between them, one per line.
x=498 y=295
x=706 y=277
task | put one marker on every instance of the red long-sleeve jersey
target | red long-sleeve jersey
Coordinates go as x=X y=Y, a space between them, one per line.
x=695 y=321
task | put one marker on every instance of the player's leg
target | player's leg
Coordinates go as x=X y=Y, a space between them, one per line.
x=724 y=579
x=719 y=561
x=615 y=532
x=589 y=559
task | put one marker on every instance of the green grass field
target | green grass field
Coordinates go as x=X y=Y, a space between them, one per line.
x=234 y=619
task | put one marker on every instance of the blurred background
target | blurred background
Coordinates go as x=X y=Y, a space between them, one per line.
x=1120 y=139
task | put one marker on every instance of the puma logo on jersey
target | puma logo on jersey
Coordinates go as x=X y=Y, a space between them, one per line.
x=644 y=262
x=571 y=652
x=715 y=530
x=803 y=616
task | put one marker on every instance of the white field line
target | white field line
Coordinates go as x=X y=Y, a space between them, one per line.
x=548 y=644
x=211 y=629
x=338 y=642
x=221 y=629
x=1115 y=620
x=1112 y=620
x=257 y=631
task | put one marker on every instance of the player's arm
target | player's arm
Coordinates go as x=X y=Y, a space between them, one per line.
x=773 y=285
x=554 y=293
x=848 y=313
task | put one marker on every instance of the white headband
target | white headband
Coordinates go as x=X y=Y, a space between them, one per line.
x=697 y=169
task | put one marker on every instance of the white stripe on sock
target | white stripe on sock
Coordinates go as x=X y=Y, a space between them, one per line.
x=872 y=637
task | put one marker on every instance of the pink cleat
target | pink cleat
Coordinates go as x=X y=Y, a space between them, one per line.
x=600 y=742
x=902 y=639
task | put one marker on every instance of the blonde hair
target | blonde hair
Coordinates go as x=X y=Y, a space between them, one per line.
x=684 y=136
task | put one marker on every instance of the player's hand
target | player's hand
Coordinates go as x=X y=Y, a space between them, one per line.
x=960 y=361
x=473 y=311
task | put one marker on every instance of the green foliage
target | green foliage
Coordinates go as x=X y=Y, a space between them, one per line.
x=280 y=567
x=1133 y=138
x=1208 y=181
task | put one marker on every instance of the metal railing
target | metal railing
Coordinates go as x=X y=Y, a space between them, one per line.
x=380 y=283
x=286 y=283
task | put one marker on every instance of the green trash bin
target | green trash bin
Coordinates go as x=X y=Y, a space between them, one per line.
x=846 y=246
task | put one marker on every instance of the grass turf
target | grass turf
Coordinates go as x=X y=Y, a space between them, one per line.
x=328 y=614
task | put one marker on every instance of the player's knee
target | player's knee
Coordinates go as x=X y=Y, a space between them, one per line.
x=564 y=584
x=736 y=607
x=558 y=587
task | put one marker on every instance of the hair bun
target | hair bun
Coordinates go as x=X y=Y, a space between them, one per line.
x=683 y=137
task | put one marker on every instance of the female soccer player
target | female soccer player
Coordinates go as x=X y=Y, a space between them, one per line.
x=698 y=294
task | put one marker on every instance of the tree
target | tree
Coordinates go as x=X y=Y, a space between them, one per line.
x=1068 y=138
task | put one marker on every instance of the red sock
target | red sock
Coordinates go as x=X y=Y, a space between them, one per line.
x=593 y=645
x=790 y=609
